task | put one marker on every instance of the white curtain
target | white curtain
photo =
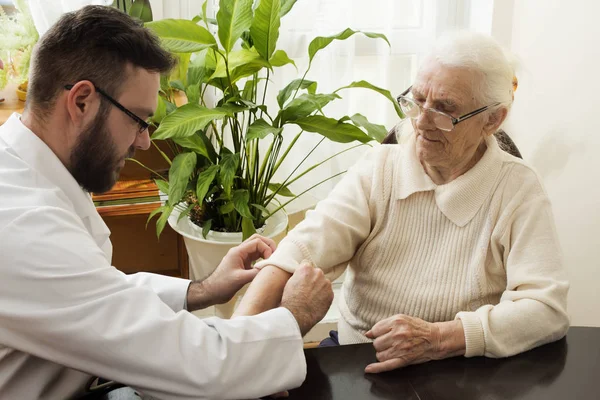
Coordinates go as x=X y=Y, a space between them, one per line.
x=410 y=25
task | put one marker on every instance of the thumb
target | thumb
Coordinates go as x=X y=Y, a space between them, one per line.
x=248 y=275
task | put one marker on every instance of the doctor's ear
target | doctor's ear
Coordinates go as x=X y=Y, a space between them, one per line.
x=82 y=102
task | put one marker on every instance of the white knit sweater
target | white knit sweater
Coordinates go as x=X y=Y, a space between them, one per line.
x=482 y=248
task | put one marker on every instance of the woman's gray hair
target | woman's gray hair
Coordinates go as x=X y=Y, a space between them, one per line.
x=482 y=54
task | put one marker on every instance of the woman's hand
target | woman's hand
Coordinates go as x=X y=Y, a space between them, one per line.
x=402 y=340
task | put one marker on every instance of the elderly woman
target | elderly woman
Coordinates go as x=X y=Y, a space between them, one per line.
x=449 y=242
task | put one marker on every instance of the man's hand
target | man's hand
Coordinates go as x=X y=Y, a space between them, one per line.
x=402 y=340
x=308 y=295
x=231 y=275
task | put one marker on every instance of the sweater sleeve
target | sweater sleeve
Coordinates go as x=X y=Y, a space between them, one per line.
x=330 y=235
x=533 y=309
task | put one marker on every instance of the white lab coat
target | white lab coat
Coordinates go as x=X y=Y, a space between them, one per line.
x=66 y=313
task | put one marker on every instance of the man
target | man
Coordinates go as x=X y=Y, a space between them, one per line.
x=65 y=313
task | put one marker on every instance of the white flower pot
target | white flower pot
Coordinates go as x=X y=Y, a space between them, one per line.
x=206 y=254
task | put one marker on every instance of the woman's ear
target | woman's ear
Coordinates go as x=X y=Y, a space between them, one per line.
x=494 y=121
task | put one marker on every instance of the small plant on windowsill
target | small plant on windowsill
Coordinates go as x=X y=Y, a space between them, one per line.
x=220 y=179
x=18 y=35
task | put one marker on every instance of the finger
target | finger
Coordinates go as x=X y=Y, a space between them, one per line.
x=248 y=275
x=384 y=366
x=270 y=242
x=280 y=395
x=383 y=342
x=381 y=328
x=254 y=249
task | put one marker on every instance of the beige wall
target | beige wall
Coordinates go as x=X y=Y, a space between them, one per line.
x=556 y=123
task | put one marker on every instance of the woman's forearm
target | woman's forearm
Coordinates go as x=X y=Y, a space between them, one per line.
x=264 y=293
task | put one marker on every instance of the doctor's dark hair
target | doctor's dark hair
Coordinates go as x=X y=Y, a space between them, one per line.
x=94 y=43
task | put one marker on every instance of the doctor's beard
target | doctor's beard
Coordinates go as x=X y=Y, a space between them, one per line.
x=95 y=164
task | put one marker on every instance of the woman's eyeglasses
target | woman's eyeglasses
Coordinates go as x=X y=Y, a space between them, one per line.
x=440 y=119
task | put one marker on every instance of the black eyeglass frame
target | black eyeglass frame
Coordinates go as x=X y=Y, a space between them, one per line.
x=143 y=124
x=455 y=121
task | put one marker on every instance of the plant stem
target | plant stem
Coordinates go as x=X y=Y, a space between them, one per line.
x=323 y=162
x=283 y=184
x=162 y=153
x=148 y=169
x=300 y=83
x=307 y=190
x=287 y=151
x=265 y=92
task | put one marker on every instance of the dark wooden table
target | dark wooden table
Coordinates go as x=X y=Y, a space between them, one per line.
x=567 y=369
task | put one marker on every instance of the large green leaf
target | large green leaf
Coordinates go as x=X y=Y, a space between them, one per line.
x=384 y=92
x=246 y=70
x=179 y=175
x=163 y=186
x=205 y=19
x=229 y=165
x=260 y=129
x=185 y=121
x=261 y=208
x=165 y=211
x=194 y=143
x=248 y=228
x=161 y=111
x=193 y=94
x=176 y=84
x=241 y=198
x=280 y=58
x=185 y=212
x=265 y=27
x=286 y=6
x=142 y=10
x=241 y=63
x=234 y=17
x=320 y=42
x=377 y=132
x=305 y=105
x=153 y=213
x=182 y=35
x=196 y=74
x=294 y=85
x=206 y=226
x=332 y=129
x=162 y=220
x=282 y=191
x=227 y=208
x=205 y=178
x=232 y=109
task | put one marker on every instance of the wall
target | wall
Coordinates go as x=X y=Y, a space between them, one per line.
x=556 y=124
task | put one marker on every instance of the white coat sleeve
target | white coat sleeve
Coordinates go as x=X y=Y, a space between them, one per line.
x=63 y=302
x=172 y=291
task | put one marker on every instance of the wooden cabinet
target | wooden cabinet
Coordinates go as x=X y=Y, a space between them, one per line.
x=135 y=248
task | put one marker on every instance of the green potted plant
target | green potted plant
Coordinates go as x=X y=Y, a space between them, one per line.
x=220 y=186
x=17 y=38
x=140 y=9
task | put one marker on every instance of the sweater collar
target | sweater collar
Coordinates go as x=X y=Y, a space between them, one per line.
x=460 y=199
